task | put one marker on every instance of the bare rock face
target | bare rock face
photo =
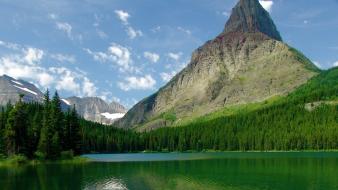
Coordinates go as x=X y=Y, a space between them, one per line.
x=10 y=89
x=249 y=17
x=96 y=109
x=246 y=63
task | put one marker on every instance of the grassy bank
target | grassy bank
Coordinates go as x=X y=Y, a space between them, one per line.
x=20 y=160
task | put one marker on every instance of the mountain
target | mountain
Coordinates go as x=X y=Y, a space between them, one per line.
x=248 y=62
x=93 y=109
x=10 y=89
x=96 y=109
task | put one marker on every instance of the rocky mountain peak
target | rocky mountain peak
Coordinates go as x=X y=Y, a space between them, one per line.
x=96 y=109
x=248 y=62
x=248 y=16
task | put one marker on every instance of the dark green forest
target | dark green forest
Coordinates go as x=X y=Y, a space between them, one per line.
x=39 y=131
x=284 y=125
x=44 y=131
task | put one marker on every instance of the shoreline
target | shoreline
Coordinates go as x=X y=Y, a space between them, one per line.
x=215 y=151
x=82 y=159
x=14 y=162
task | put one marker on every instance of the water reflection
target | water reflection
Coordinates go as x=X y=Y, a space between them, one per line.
x=109 y=184
x=318 y=172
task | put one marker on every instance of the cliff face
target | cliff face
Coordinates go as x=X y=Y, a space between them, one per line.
x=247 y=62
x=11 y=88
x=250 y=16
x=96 y=109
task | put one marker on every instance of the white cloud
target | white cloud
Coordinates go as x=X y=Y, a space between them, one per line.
x=131 y=32
x=335 y=64
x=101 y=34
x=63 y=58
x=53 y=16
x=65 y=27
x=188 y=32
x=137 y=83
x=45 y=79
x=33 y=55
x=225 y=13
x=266 y=4
x=156 y=29
x=121 y=55
x=116 y=54
x=68 y=30
x=9 y=45
x=122 y=15
x=89 y=88
x=175 y=56
x=72 y=81
x=25 y=64
x=152 y=57
x=68 y=80
x=16 y=66
x=166 y=77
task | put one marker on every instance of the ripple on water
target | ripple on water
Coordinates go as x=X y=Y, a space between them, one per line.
x=107 y=184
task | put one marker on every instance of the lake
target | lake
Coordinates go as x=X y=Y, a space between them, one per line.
x=204 y=171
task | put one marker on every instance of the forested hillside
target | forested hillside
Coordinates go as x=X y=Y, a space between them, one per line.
x=39 y=131
x=306 y=119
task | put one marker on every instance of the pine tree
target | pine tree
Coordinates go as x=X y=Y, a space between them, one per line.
x=16 y=129
x=45 y=135
x=57 y=118
x=33 y=132
x=2 y=129
x=55 y=147
x=75 y=137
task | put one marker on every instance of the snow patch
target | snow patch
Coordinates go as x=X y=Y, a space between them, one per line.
x=26 y=89
x=113 y=116
x=16 y=82
x=66 y=101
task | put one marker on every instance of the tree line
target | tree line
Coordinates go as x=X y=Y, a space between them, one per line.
x=45 y=131
x=41 y=131
x=284 y=125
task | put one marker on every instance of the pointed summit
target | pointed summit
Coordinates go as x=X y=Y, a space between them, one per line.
x=246 y=63
x=249 y=17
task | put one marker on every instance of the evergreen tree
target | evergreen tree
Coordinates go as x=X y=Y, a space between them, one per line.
x=55 y=147
x=75 y=139
x=2 y=129
x=34 y=131
x=46 y=130
x=16 y=131
x=57 y=118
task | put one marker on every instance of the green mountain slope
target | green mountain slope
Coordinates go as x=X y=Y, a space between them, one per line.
x=280 y=123
x=285 y=123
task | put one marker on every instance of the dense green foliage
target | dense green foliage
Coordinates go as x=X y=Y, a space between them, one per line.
x=284 y=125
x=40 y=131
x=101 y=138
x=44 y=131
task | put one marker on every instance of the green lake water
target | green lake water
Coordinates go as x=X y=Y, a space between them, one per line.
x=204 y=171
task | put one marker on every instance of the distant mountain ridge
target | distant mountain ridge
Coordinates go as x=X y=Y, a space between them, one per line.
x=91 y=108
x=96 y=109
x=10 y=89
x=248 y=62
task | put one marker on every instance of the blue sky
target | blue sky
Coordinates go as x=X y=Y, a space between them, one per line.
x=124 y=50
